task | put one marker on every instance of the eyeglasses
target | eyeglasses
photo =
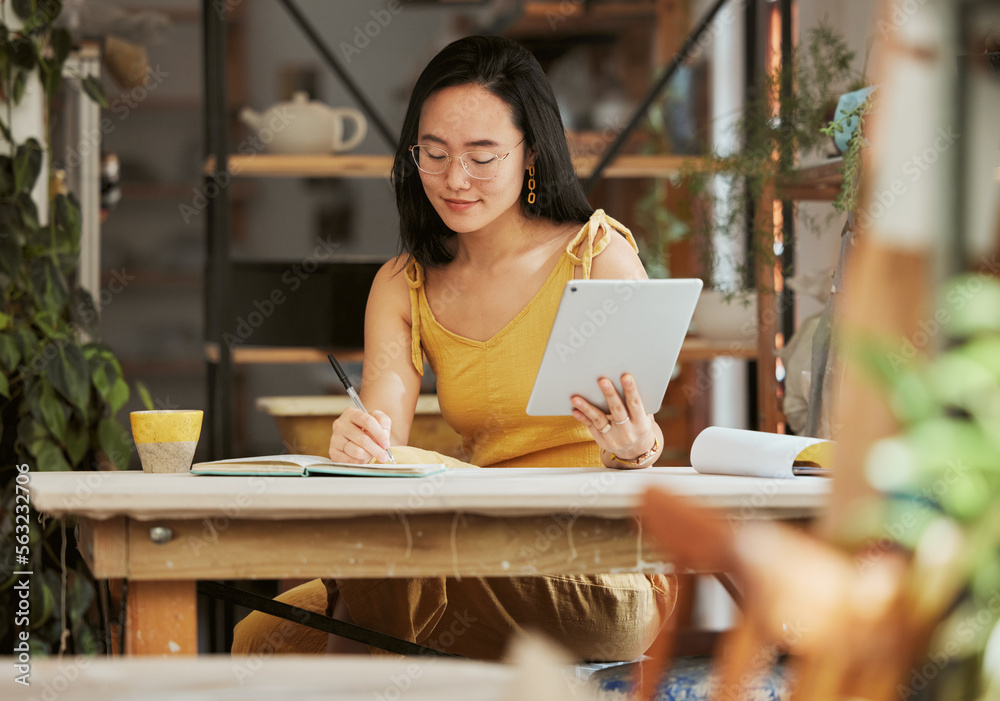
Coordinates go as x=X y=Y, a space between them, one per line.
x=481 y=165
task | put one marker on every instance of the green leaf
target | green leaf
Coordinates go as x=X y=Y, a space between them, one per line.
x=43 y=591
x=79 y=597
x=10 y=354
x=51 y=325
x=5 y=131
x=4 y=389
x=50 y=75
x=83 y=312
x=20 y=83
x=46 y=407
x=99 y=375
x=115 y=441
x=118 y=396
x=27 y=342
x=95 y=90
x=48 y=12
x=28 y=211
x=27 y=165
x=7 y=183
x=51 y=458
x=22 y=52
x=61 y=43
x=37 y=441
x=67 y=217
x=144 y=396
x=48 y=284
x=10 y=221
x=86 y=640
x=10 y=257
x=24 y=8
x=106 y=376
x=69 y=374
x=77 y=442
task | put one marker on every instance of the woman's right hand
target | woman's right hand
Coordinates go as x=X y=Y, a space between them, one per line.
x=358 y=437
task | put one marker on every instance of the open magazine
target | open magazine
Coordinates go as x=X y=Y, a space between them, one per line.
x=306 y=465
x=732 y=451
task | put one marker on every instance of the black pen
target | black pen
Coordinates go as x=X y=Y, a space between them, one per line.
x=353 y=393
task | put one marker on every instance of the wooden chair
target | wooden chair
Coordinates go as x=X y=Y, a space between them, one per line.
x=851 y=627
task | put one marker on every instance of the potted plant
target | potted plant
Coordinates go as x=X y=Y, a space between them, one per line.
x=772 y=146
x=60 y=387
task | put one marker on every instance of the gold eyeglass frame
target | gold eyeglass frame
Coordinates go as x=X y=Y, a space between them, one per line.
x=500 y=159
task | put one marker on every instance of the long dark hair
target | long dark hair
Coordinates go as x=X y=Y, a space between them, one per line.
x=510 y=72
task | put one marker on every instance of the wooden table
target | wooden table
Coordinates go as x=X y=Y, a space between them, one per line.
x=164 y=532
x=344 y=678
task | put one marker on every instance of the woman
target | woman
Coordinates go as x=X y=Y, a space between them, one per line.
x=493 y=223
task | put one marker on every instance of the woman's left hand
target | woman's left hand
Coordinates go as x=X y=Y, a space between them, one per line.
x=627 y=431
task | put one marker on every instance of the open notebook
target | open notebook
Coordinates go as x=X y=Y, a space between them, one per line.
x=732 y=451
x=306 y=465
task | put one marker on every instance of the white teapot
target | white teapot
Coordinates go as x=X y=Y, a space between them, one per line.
x=304 y=126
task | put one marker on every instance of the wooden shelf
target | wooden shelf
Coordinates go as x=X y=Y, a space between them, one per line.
x=279 y=165
x=283 y=356
x=365 y=166
x=819 y=181
x=548 y=18
x=694 y=349
x=814 y=181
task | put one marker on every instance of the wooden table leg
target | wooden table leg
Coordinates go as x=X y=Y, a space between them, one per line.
x=161 y=618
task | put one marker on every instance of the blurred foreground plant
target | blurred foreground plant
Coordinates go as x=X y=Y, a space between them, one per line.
x=938 y=479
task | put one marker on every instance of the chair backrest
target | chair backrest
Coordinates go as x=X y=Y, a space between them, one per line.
x=850 y=627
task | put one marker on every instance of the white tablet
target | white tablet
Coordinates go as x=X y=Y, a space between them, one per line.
x=605 y=328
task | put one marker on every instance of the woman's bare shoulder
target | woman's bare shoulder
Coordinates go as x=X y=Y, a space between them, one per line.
x=390 y=286
x=618 y=260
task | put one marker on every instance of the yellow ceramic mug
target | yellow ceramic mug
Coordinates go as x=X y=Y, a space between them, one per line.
x=166 y=439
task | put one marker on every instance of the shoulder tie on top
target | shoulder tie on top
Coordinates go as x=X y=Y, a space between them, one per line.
x=589 y=233
x=415 y=279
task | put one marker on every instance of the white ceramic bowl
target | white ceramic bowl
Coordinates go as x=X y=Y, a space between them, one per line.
x=719 y=319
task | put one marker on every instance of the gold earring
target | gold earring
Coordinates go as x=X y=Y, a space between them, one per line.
x=531 y=184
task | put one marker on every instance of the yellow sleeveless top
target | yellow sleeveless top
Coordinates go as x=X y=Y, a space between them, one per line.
x=483 y=386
